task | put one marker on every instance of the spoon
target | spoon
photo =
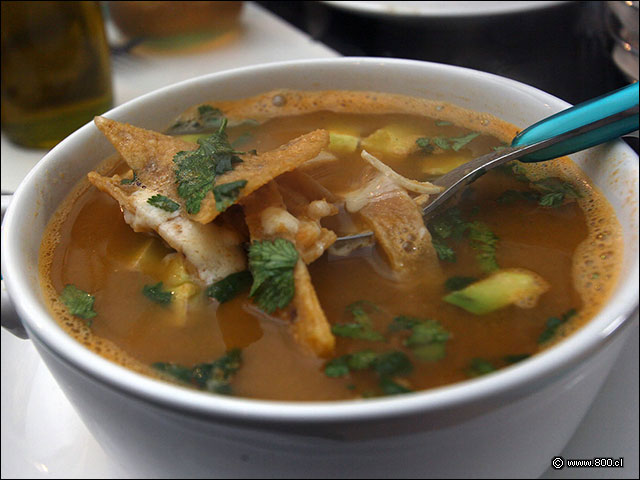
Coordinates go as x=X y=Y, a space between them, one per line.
x=577 y=128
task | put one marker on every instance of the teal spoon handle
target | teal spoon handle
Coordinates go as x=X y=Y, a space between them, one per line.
x=578 y=116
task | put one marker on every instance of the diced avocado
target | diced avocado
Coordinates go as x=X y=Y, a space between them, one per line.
x=146 y=257
x=180 y=302
x=193 y=137
x=505 y=287
x=175 y=270
x=343 y=143
x=395 y=140
x=444 y=162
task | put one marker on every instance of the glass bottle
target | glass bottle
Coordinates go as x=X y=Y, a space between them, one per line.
x=56 y=73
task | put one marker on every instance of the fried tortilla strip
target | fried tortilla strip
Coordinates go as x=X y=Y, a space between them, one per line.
x=150 y=155
x=407 y=243
x=308 y=201
x=215 y=251
x=258 y=170
x=267 y=218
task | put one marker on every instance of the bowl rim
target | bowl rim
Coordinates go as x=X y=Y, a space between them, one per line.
x=524 y=376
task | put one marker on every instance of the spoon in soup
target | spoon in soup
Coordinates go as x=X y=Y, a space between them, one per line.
x=577 y=128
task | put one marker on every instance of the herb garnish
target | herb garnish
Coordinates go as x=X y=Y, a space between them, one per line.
x=230 y=286
x=156 y=294
x=442 y=123
x=227 y=193
x=214 y=376
x=361 y=327
x=450 y=143
x=129 y=181
x=553 y=323
x=163 y=202
x=79 y=302
x=516 y=358
x=451 y=225
x=427 y=339
x=196 y=170
x=554 y=191
x=424 y=145
x=271 y=264
x=458 y=283
x=480 y=366
x=385 y=364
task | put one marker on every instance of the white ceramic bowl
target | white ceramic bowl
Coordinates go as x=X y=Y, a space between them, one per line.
x=507 y=424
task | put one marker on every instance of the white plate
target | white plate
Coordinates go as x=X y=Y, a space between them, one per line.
x=440 y=9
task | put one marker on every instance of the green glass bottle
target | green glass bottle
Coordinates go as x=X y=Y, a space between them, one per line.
x=56 y=71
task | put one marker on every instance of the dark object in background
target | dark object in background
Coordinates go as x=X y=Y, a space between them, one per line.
x=55 y=70
x=564 y=49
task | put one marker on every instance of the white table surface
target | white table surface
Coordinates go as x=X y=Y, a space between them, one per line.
x=43 y=437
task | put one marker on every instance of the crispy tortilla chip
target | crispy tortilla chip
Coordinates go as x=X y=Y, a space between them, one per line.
x=258 y=170
x=266 y=217
x=150 y=154
x=407 y=243
x=215 y=251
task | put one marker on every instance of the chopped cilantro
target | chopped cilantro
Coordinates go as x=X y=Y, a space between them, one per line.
x=443 y=251
x=553 y=323
x=230 y=286
x=208 y=117
x=227 y=194
x=165 y=203
x=271 y=264
x=484 y=241
x=392 y=363
x=424 y=145
x=442 y=123
x=441 y=142
x=196 y=170
x=427 y=339
x=156 y=294
x=459 y=143
x=389 y=387
x=338 y=367
x=515 y=170
x=509 y=197
x=361 y=327
x=479 y=366
x=129 y=181
x=516 y=358
x=361 y=360
x=79 y=302
x=214 y=377
x=449 y=224
x=554 y=191
x=242 y=139
x=458 y=283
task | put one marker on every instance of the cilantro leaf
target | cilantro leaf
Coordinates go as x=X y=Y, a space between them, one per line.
x=389 y=387
x=227 y=194
x=392 y=363
x=485 y=242
x=196 y=170
x=164 y=203
x=479 y=366
x=129 y=181
x=230 y=286
x=338 y=367
x=444 y=251
x=79 y=302
x=458 y=283
x=424 y=145
x=553 y=324
x=441 y=142
x=362 y=327
x=271 y=264
x=442 y=123
x=427 y=339
x=156 y=294
x=516 y=358
x=214 y=376
x=459 y=143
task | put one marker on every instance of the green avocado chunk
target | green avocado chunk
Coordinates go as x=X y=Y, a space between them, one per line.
x=505 y=287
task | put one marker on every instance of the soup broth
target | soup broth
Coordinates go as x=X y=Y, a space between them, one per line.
x=395 y=330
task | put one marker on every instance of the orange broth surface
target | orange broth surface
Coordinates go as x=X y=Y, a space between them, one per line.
x=89 y=244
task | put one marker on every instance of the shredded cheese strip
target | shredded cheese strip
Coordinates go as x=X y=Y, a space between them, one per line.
x=404 y=182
